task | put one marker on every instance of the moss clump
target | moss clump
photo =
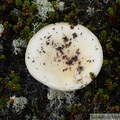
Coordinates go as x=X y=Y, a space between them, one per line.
x=8 y=84
x=71 y=17
x=19 y=12
x=3 y=100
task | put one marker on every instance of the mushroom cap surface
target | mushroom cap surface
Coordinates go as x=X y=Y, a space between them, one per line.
x=61 y=56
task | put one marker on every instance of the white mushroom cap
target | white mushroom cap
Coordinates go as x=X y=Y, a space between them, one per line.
x=61 y=56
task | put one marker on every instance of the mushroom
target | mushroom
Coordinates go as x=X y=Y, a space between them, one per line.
x=62 y=56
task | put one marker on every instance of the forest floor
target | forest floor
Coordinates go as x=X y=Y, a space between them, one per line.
x=19 y=21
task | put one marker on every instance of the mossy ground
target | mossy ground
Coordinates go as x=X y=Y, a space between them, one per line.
x=101 y=96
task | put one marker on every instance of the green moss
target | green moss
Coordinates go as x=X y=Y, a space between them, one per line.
x=103 y=34
x=87 y=94
x=18 y=2
x=117 y=107
x=54 y=4
x=26 y=33
x=12 y=83
x=12 y=14
x=3 y=100
x=71 y=17
x=110 y=11
x=26 y=4
x=63 y=118
x=75 y=108
x=0 y=8
x=110 y=48
x=110 y=85
x=33 y=8
x=2 y=57
x=92 y=75
x=91 y=27
x=20 y=20
x=29 y=21
x=53 y=16
x=8 y=84
x=73 y=5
